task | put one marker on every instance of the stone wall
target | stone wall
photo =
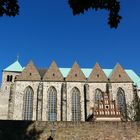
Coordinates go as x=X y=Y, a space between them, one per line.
x=20 y=87
x=70 y=131
x=128 y=89
x=3 y=106
x=57 y=86
x=70 y=86
x=4 y=93
x=139 y=93
x=19 y=94
x=92 y=89
x=5 y=87
x=91 y=131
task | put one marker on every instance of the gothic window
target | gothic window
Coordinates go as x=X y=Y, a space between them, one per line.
x=52 y=104
x=76 y=110
x=28 y=104
x=121 y=100
x=98 y=95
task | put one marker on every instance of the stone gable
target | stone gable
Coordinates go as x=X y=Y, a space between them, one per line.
x=119 y=75
x=30 y=73
x=76 y=74
x=97 y=74
x=53 y=73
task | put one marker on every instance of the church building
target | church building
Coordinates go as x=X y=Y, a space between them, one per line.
x=66 y=94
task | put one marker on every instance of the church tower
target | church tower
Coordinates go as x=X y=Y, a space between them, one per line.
x=9 y=75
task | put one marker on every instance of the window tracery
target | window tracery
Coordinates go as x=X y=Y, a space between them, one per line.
x=98 y=95
x=76 y=109
x=121 y=100
x=28 y=104
x=52 y=104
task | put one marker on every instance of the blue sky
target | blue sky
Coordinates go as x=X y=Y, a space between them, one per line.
x=46 y=30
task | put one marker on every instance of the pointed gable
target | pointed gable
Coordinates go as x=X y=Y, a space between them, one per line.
x=119 y=75
x=30 y=73
x=53 y=73
x=97 y=74
x=76 y=74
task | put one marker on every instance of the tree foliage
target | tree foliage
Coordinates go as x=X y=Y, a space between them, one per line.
x=133 y=108
x=136 y=105
x=9 y=7
x=113 y=6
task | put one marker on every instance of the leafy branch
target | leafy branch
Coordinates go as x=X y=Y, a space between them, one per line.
x=9 y=7
x=113 y=6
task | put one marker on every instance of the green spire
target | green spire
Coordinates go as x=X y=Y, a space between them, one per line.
x=14 y=67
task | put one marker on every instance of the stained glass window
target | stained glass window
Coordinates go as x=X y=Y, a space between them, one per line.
x=52 y=104
x=121 y=100
x=76 y=109
x=28 y=104
x=98 y=95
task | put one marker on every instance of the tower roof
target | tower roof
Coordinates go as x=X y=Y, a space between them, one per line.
x=16 y=67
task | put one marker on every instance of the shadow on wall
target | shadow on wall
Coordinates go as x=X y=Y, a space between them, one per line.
x=19 y=130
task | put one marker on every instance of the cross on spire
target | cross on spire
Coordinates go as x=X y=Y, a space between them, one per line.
x=17 y=56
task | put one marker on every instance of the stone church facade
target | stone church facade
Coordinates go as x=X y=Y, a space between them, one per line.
x=66 y=94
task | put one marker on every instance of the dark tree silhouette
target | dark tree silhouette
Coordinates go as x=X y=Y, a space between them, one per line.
x=113 y=6
x=19 y=130
x=136 y=104
x=9 y=7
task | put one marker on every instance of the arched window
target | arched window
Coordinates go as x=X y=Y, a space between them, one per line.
x=11 y=78
x=98 y=95
x=52 y=104
x=76 y=109
x=8 y=78
x=121 y=100
x=28 y=104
